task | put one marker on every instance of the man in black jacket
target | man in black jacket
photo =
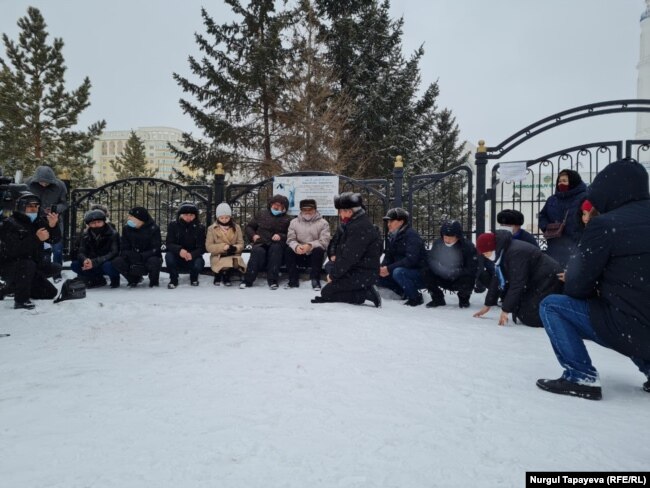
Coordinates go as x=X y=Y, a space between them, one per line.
x=512 y=220
x=523 y=277
x=452 y=265
x=99 y=246
x=185 y=245
x=358 y=250
x=607 y=284
x=404 y=258
x=268 y=234
x=23 y=263
x=139 y=249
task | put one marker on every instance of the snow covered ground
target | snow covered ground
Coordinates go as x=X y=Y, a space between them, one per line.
x=221 y=387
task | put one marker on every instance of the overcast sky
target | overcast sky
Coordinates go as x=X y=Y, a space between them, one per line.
x=501 y=64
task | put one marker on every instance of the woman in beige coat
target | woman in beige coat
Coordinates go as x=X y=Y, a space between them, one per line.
x=225 y=243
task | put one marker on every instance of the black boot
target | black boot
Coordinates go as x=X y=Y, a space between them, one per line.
x=226 y=277
x=373 y=295
x=27 y=305
x=437 y=298
x=566 y=387
x=463 y=301
x=414 y=302
x=115 y=282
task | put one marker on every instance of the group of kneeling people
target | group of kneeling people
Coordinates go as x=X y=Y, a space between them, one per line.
x=606 y=283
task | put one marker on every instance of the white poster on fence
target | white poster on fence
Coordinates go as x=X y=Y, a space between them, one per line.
x=513 y=171
x=323 y=189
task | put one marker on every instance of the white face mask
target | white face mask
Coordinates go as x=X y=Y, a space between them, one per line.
x=492 y=257
x=450 y=245
x=504 y=227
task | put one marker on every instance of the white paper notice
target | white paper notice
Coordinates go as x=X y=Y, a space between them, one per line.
x=515 y=171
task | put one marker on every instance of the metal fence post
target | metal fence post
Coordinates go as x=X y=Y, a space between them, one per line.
x=481 y=175
x=398 y=180
x=219 y=185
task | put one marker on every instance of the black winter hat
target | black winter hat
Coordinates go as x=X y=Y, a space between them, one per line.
x=281 y=199
x=451 y=228
x=188 y=207
x=348 y=200
x=574 y=178
x=510 y=217
x=397 y=213
x=93 y=215
x=140 y=213
x=308 y=203
x=25 y=197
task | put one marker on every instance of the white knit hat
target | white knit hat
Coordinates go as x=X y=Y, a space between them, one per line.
x=224 y=209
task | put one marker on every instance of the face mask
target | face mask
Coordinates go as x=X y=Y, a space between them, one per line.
x=345 y=220
x=277 y=212
x=131 y=224
x=504 y=227
x=308 y=218
x=32 y=216
x=562 y=187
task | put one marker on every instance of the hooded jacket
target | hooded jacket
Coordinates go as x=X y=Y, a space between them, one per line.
x=145 y=241
x=55 y=193
x=565 y=204
x=529 y=274
x=265 y=224
x=614 y=259
x=181 y=235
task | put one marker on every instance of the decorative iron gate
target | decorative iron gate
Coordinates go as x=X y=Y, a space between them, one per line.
x=160 y=197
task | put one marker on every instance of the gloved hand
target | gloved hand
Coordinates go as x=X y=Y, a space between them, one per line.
x=231 y=250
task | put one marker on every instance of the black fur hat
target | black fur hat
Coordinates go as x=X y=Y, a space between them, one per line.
x=348 y=200
x=140 y=213
x=451 y=228
x=308 y=203
x=397 y=213
x=188 y=207
x=510 y=217
x=93 y=215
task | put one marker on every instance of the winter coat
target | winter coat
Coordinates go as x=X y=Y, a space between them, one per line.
x=452 y=263
x=55 y=193
x=555 y=210
x=18 y=239
x=614 y=259
x=334 y=242
x=100 y=246
x=216 y=240
x=529 y=274
x=525 y=236
x=315 y=232
x=358 y=252
x=138 y=245
x=181 y=235
x=404 y=250
x=265 y=225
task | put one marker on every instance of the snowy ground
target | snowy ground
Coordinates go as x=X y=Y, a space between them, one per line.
x=221 y=387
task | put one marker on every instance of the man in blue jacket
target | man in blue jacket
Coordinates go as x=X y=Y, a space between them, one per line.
x=404 y=258
x=607 y=284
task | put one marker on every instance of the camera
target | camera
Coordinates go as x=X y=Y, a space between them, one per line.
x=9 y=192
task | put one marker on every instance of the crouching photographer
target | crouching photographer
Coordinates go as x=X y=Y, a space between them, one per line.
x=23 y=264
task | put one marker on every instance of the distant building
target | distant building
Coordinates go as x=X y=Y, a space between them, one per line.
x=159 y=157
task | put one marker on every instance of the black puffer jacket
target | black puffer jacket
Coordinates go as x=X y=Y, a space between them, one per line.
x=99 y=245
x=19 y=241
x=614 y=259
x=358 y=252
x=457 y=261
x=145 y=241
x=530 y=275
x=265 y=224
x=181 y=235
x=404 y=250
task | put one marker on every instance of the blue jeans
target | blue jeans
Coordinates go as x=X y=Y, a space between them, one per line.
x=106 y=268
x=403 y=280
x=566 y=321
x=57 y=252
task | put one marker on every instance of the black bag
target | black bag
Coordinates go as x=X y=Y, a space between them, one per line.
x=73 y=289
x=555 y=229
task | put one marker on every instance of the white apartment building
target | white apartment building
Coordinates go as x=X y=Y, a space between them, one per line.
x=111 y=144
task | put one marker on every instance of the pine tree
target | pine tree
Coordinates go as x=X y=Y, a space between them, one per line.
x=239 y=81
x=364 y=46
x=132 y=162
x=37 y=115
x=311 y=120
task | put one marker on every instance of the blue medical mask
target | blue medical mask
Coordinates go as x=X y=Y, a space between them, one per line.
x=277 y=212
x=32 y=216
x=131 y=224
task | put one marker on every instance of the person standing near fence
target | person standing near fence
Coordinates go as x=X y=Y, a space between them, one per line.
x=561 y=208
